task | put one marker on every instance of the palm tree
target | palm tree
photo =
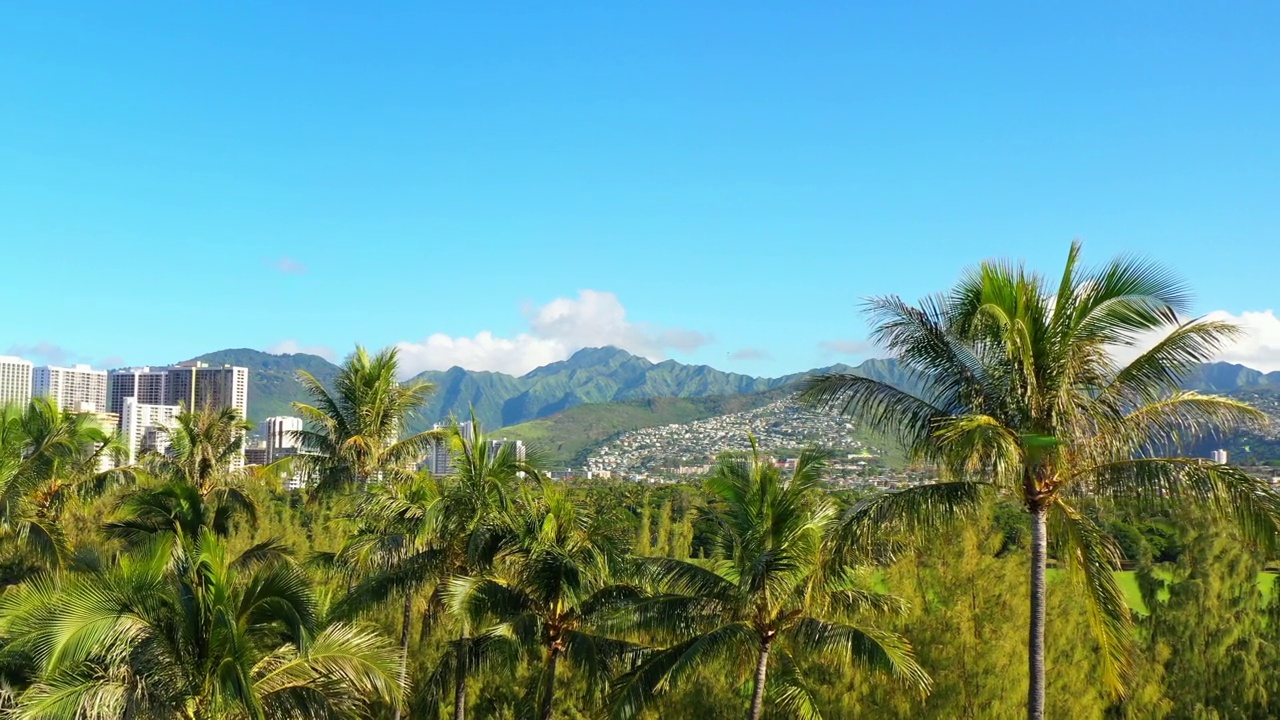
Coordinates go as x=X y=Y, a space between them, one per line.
x=1022 y=393
x=48 y=458
x=179 y=510
x=354 y=432
x=551 y=580
x=476 y=496
x=196 y=635
x=204 y=444
x=394 y=552
x=780 y=597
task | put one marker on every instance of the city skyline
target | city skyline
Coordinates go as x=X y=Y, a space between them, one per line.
x=682 y=182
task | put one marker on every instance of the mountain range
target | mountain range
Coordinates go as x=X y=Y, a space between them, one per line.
x=590 y=376
x=569 y=406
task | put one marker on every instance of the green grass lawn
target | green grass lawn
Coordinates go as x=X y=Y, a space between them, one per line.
x=1129 y=584
x=1128 y=580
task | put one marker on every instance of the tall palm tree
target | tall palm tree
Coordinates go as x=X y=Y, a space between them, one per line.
x=356 y=432
x=394 y=552
x=476 y=496
x=551 y=581
x=780 y=598
x=199 y=635
x=1021 y=392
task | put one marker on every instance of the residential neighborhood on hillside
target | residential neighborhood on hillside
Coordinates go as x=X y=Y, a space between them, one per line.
x=781 y=429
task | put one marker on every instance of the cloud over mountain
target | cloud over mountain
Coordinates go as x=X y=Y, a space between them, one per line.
x=555 y=331
x=291 y=347
x=1259 y=346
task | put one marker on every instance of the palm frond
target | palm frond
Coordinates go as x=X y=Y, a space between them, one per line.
x=873 y=648
x=879 y=406
x=791 y=692
x=1092 y=558
x=1164 y=367
x=1162 y=483
x=346 y=668
x=917 y=512
x=665 y=670
x=1176 y=422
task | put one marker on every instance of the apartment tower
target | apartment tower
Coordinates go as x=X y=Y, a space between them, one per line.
x=144 y=427
x=78 y=388
x=144 y=384
x=281 y=436
x=15 y=381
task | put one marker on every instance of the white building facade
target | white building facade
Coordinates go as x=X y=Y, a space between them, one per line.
x=281 y=435
x=15 y=380
x=144 y=427
x=78 y=388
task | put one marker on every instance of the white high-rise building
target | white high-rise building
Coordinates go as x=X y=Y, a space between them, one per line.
x=143 y=427
x=1220 y=457
x=15 y=381
x=191 y=384
x=144 y=384
x=280 y=432
x=495 y=446
x=79 y=388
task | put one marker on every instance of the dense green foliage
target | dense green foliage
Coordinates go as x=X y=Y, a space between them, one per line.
x=960 y=596
x=1021 y=397
x=188 y=588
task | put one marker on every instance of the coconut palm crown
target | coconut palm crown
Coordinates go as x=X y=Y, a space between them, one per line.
x=553 y=577
x=1021 y=391
x=188 y=635
x=780 y=599
x=356 y=431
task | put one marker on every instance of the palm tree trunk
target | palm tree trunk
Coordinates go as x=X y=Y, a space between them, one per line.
x=1035 y=640
x=762 y=666
x=550 y=691
x=404 y=645
x=460 y=678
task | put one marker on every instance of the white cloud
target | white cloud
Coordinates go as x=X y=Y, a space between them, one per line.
x=556 y=330
x=1258 y=347
x=292 y=347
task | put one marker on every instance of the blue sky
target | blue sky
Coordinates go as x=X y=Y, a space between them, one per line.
x=716 y=182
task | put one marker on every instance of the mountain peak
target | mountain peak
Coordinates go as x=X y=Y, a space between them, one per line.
x=593 y=355
x=602 y=358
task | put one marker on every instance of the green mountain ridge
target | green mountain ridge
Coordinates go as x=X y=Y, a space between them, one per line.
x=590 y=376
x=273 y=379
x=632 y=391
